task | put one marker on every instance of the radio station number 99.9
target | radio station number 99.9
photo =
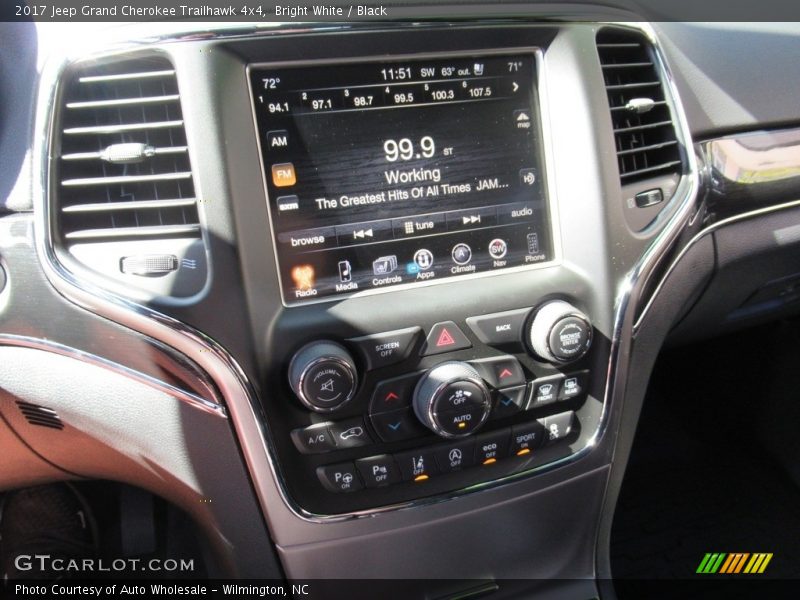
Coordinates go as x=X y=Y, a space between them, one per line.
x=404 y=149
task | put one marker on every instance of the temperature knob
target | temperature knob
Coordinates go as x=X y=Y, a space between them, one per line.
x=452 y=400
x=560 y=333
x=323 y=376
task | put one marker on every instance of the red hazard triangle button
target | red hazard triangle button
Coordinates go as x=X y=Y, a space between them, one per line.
x=445 y=337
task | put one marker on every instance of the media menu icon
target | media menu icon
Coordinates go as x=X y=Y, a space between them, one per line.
x=345 y=271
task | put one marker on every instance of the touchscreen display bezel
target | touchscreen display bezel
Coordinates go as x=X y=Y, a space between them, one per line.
x=541 y=101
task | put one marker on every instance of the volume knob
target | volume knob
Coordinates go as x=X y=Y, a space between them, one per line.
x=323 y=376
x=560 y=333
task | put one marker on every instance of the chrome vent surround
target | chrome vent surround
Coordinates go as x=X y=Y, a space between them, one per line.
x=123 y=168
x=40 y=416
x=644 y=127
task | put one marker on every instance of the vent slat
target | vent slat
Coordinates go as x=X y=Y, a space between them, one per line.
x=123 y=102
x=132 y=205
x=126 y=76
x=124 y=170
x=123 y=179
x=630 y=65
x=643 y=126
x=104 y=129
x=134 y=232
x=646 y=148
x=641 y=118
x=667 y=165
x=99 y=155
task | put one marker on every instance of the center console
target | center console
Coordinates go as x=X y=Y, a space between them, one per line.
x=440 y=327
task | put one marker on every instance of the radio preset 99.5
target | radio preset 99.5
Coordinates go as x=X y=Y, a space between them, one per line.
x=388 y=173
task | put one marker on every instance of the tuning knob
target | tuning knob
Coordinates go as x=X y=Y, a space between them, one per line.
x=560 y=333
x=452 y=400
x=323 y=376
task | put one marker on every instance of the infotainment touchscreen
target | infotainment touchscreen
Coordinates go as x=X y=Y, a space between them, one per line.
x=383 y=174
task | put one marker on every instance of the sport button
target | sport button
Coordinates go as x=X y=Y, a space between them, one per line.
x=445 y=337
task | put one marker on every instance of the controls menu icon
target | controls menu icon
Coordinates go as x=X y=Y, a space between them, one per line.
x=384 y=265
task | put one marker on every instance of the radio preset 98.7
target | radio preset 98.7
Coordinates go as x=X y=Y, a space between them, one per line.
x=388 y=173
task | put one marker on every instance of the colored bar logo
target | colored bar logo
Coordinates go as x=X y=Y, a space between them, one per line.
x=734 y=563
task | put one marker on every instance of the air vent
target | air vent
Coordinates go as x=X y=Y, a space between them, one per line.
x=124 y=171
x=40 y=416
x=644 y=128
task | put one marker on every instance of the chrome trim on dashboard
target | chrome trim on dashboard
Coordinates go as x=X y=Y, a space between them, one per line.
x=193 y=400
x=234 y=385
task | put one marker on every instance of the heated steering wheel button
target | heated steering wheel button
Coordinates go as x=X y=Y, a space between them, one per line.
x=349 y=433
x=340 y=478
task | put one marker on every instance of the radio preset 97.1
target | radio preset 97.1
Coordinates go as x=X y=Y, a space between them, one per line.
x=389 y=173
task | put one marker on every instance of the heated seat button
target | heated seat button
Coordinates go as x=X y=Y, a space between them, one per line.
x=383 y=349
x=349 y=433
x=377 y=471
x=393 y=394
x=315 y=439
x=455 y=456
x=544 y=391
x=498 y=329
x=574 y=385
x=525 y=438
x=397 y=425
x=445 y=337
x=500 y=371
x=509 y=401
x=417 y=465
x=557 y=427
x=489 y=447
x=340 y=478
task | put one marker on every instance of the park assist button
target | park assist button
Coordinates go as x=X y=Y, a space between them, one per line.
x=340 y=478
x=377 y=471
x=387 y=348
x=445 y=337
x=501 y=328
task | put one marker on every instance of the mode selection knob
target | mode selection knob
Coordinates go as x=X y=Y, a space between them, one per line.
x=452 y=400
x=323 y=376
x=560 y=333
